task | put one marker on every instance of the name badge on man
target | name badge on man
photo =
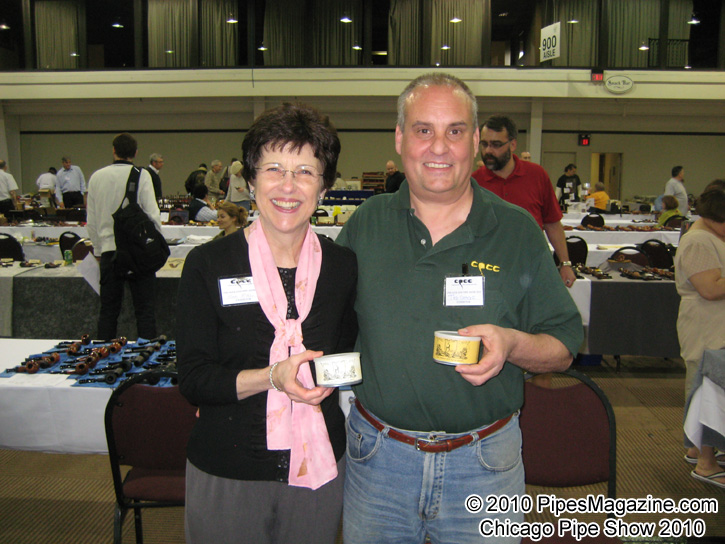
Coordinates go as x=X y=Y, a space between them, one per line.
x=237 y=290
x=464 y=291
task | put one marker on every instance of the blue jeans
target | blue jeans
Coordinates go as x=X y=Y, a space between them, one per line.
x=397 y=494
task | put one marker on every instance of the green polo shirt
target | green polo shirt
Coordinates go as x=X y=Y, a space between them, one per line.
x=400 y=303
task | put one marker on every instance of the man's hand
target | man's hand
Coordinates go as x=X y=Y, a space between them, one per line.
x=567 y=275
x=497 y=346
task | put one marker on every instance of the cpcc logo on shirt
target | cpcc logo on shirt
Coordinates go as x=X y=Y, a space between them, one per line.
x=485 y=267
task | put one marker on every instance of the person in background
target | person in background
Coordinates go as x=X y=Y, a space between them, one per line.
x=569 y=186
x=70 y=190
x=212 y=180
x=670 y=209
x=201 y=209
x=106 y=192
x=675 y=186
x=526 y=156
x=601 y=198
x=47 y=180
x=266 y=456
x=8 y=189
x=238 y=191
x=394 y=177
x=525 y=184
x=195 y=177
x=156 y=163
x=423 y=436
x=700 y=278
x=230 y=218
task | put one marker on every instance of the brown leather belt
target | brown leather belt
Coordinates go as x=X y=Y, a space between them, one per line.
x=432 y=446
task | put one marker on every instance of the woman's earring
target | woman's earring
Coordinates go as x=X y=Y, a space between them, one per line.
x=251 y=193
x=319 y=200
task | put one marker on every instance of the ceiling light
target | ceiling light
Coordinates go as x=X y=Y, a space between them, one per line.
x=446 y=47
x=345 y=19
x=261 y=47
x=573 y=22
x=503 y=14
x=643 y=46
x=521 y=54
x=356 y=47
x=169 y=51
x=688 y=67
x=4 y=26
x=438 y=63
x=693 y=20
x=456 y=20
x=117 y=23
x=232 y=20
x=74 y=54
x=380 y=53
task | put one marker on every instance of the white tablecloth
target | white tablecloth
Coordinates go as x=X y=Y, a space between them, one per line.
x=43 y=412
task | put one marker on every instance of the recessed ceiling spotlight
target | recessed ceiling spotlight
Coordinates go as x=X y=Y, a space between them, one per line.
x=693 y=20
x=232 y=19
x=117 y=23
x=573 y=22
x=643 y=46
x=356 y=47
x=503 y=14
x=262 y=47
x=345 y=19
x=456 y=20
x=446 y=47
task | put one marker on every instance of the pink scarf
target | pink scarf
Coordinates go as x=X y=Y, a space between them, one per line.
x=293 y=426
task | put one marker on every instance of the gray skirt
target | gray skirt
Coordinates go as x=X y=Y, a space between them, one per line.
x=225 y=511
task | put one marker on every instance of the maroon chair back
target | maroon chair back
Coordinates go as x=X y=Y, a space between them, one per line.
x=569 y=435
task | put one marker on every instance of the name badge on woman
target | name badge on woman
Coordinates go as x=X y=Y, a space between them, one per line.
x=237 y=290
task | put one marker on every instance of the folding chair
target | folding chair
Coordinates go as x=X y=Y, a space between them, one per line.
x=81 y=248
x=592 y=220
x=147 y=428
x=10 y=248
x=630 y=254
x=569 y=439
x=658 y=253
x=675 y=221
x=67 y=240
x=578 y=251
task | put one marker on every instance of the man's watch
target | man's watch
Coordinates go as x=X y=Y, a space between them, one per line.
x=565 y=263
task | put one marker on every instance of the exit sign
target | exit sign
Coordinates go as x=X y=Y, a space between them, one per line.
x=597 y=75
x=584 y=139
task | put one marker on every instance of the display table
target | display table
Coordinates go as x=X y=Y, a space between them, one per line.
x=59 y=303
x=184 y=234
x=42 y=412
x=633 y=317
x=624 y=237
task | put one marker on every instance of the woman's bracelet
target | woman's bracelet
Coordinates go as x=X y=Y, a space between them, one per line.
x=271 y=380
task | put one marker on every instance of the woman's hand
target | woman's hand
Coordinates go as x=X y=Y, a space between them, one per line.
x=285 y=377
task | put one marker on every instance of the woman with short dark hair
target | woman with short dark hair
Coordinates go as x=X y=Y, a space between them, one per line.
x=266 y=457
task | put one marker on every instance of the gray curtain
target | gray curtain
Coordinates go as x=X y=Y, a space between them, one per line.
x=579 y=41
x=56 y=34
x=218 y=38
x=309 y=32
x=404 y=33
x=170 y=33
x=631 y=23
x=463 y=39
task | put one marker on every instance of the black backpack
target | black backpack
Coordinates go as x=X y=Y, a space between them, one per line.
x=140 y=247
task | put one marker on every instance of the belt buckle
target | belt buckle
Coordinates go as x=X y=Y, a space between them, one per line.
x=424 y=441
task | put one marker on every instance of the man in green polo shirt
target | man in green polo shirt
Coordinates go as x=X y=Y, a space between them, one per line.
x=424 y=436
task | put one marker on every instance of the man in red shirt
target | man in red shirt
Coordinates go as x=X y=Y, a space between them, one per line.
x=523 y=183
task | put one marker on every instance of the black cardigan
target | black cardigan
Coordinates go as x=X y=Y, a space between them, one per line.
x=214 y=343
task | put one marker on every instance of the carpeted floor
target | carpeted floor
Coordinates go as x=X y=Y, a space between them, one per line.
x=53 y=499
